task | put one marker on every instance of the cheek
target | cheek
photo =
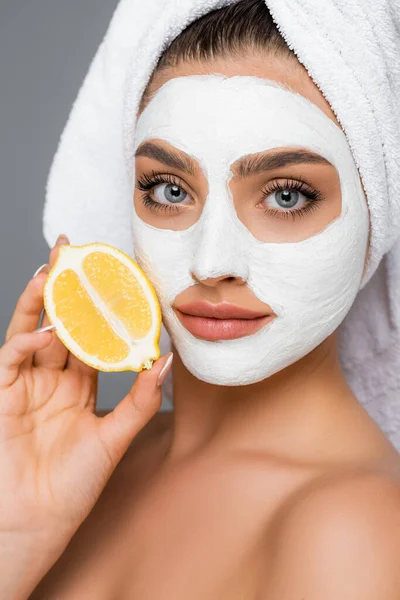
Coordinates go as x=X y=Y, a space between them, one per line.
x=310 y=284
x=165 y=256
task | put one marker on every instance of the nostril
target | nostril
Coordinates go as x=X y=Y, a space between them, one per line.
x=213 y=281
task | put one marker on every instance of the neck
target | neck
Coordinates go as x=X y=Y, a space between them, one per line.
x=291 y=415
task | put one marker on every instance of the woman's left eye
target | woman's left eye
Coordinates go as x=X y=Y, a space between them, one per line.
x=285 y=199
x=169 y=193
x=290 y=199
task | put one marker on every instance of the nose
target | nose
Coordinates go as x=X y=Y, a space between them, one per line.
x=214 y=281
x=220 y=254
x=215 y=262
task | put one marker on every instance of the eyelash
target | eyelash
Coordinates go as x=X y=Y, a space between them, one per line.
x=313 y=195
x=147 y=183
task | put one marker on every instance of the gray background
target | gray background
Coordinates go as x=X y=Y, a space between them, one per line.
x=46 y=47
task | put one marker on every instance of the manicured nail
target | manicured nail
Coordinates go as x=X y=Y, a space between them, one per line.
x=165 y=370
x=62 y=239
x=48 y=328
x=39 y=269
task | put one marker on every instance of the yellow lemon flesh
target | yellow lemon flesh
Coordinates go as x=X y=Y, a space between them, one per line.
x=103 y=307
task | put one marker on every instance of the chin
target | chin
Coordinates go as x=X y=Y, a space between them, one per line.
x=220 y=373
x=225 y=363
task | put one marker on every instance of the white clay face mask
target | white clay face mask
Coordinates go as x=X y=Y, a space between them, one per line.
x=309 y=284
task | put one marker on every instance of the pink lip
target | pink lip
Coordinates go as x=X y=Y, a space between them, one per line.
x=220 y=321
x=224 y=310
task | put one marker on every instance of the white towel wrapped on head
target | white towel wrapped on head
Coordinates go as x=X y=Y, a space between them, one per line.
x=351 y=50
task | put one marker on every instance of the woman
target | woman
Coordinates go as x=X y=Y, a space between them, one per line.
x=268 y=479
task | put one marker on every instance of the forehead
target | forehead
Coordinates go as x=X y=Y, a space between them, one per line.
x=287 y=71
x=222 y=118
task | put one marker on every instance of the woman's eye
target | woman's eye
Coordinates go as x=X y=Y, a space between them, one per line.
x=285 y=199
x=169 y=193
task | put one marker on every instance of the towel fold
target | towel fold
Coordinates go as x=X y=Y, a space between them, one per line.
x=352 y=52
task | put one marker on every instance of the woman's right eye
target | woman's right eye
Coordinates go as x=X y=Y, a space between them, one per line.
x=169 y=193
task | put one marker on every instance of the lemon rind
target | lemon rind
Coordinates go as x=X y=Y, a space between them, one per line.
x=143 y=350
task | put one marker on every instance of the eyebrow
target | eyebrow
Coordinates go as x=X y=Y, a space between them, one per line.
x=257 y=163
x=244 y=167
x=168 y=157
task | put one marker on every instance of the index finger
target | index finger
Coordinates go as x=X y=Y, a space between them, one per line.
x=62 y=239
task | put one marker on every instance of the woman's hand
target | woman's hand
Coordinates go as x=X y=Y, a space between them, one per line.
x=56 y=455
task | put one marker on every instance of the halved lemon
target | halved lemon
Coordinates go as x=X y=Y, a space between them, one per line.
x=103 y=307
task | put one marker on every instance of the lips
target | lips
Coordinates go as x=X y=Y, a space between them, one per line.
x=223 y=321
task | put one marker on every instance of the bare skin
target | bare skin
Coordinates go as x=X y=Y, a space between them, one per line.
x=205 y=494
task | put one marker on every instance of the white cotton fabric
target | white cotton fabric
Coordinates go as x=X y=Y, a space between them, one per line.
x=352 y=52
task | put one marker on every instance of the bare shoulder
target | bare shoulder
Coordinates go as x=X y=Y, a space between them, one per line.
x=351 y=499
x=339 y=538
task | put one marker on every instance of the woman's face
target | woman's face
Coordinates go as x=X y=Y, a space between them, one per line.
x=246 y=195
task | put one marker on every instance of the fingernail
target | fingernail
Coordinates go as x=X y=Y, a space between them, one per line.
x=48 y=328
x=165 y=370
x=39 y=269
x=62 y=239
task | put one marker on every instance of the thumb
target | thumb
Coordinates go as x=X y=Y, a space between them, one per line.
x=119 y=427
